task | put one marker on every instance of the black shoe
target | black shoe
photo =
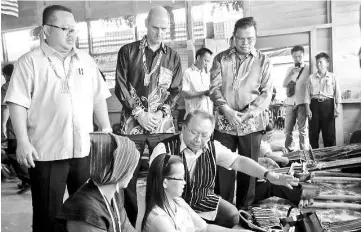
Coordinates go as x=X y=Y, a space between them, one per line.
x=24 y=189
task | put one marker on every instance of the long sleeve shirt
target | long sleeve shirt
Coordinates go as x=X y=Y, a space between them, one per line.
x=136 y=95
x=323 y=87
x=246 y=86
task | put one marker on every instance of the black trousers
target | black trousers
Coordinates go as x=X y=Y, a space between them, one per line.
x=265 y=190
x=130 y=193
x=21 y=171
x=248 y=146
x=322 y=120
x=48 y=182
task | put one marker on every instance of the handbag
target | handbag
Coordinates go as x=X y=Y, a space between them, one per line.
x=291 y=86
x=304 y=222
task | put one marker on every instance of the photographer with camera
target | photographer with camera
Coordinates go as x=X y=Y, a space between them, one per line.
x=295 y=84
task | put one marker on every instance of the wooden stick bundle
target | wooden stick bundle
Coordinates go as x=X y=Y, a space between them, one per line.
x=336 y=205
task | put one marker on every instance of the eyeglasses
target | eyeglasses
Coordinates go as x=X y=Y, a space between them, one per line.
x=174 y=178
x=66 y=30
x=249 y=40
x=196 y=134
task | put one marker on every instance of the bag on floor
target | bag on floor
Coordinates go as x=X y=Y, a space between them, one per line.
x=304 y=222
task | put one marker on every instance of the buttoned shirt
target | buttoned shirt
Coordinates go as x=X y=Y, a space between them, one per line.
x=246 y=87
x=326 y=86
x=58 y=123
x=300 y=88
x=195 y=80
x=138 y=96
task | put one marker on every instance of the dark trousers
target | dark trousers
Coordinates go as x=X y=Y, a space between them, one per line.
x=322 y=120
x=48 y=182
x=130 y=193
x=265 y=190
x=248 y=146
x=21 y=171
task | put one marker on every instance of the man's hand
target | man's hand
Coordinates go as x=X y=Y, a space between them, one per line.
x=212 y=88
x=282 y=179
x=3 y=131
x=268 y=163
x=244 y=116
x=294 y=71
x=336 y=114
x=232 y=117
x=25 y=154
x=148 y=120
x=308 y=113
x=284 y=150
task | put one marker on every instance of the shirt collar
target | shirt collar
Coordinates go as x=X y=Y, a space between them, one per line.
x=49 y=51
x=144 y=43
x=328 y=74
x=253 y=52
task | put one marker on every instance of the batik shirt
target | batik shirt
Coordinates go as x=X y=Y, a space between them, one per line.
x=246 y=86
x=139 y=94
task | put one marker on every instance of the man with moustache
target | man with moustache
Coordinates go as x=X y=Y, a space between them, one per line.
x=53 y=93
x=148 y=83
x=241 y=102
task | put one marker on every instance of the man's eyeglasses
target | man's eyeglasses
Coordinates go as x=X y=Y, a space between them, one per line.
x=174 y=178
x=249 y=40
x=66 y=30
x=196 y=134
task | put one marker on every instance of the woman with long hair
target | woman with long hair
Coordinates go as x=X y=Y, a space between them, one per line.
x=98 y=206
x=165 y=210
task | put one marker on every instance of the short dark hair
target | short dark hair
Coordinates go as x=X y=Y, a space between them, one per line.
x=200 y=113
x=297 y=48
x=8 y=70
x=323 y=55
x=245 y=23
x=49 y=11
x=201 y=52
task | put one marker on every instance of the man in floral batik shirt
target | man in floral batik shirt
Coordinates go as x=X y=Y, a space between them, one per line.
x=241 y=101
x=148 y=83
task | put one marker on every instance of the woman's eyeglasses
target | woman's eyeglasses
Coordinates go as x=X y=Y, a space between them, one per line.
x=174 y=178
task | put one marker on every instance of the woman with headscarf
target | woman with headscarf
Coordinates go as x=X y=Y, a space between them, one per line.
x=165 y=210
x=98 y=205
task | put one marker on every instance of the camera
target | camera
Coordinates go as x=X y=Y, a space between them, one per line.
x=298 y=65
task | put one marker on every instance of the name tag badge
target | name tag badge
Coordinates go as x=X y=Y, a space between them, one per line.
x=80 y=71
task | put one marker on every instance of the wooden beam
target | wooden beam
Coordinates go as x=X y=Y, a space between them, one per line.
x=294 y=30
x=190 y=36
x=88 y=10
x=328 y=11
x=39 y=10
x=247 y=8
x=5 y=51
x=313 y=48
x=90 y=40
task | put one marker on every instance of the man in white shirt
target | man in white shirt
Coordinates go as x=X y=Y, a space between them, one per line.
x=296 y=109
x=196 y=83
x=53 y=93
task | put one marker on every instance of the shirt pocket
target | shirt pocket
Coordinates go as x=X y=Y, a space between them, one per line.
x=165 y=77
x=329 y=86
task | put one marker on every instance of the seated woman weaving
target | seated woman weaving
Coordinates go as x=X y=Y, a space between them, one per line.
x=98 y=205
x=165 y=210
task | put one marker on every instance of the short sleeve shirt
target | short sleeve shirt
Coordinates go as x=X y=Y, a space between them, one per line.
x=58 y=124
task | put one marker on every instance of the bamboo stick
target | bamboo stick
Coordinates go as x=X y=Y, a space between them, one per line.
x=335 y=205
x=324 y=173
x=335 y=179
x=339 y=198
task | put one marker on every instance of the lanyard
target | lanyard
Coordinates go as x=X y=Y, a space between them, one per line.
x=65 y=88
x=146 y=71
x=109 y=209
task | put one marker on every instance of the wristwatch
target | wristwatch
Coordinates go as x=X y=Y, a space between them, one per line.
x=265 y=174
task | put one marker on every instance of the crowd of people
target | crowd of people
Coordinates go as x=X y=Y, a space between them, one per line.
x=56 y=90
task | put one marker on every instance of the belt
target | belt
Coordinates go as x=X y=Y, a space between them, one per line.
x=321 y=99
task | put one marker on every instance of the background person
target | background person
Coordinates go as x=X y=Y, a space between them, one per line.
x=323 y=100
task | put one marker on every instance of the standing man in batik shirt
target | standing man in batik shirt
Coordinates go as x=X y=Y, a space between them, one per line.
x=241 y=102
x=148 y=83
x=323 y=100
x=196 y=83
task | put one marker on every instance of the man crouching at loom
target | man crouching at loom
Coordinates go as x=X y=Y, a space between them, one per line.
x=201 y=155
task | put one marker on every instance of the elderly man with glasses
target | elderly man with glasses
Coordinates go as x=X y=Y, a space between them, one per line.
x=201 y=155
x=53 y=93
